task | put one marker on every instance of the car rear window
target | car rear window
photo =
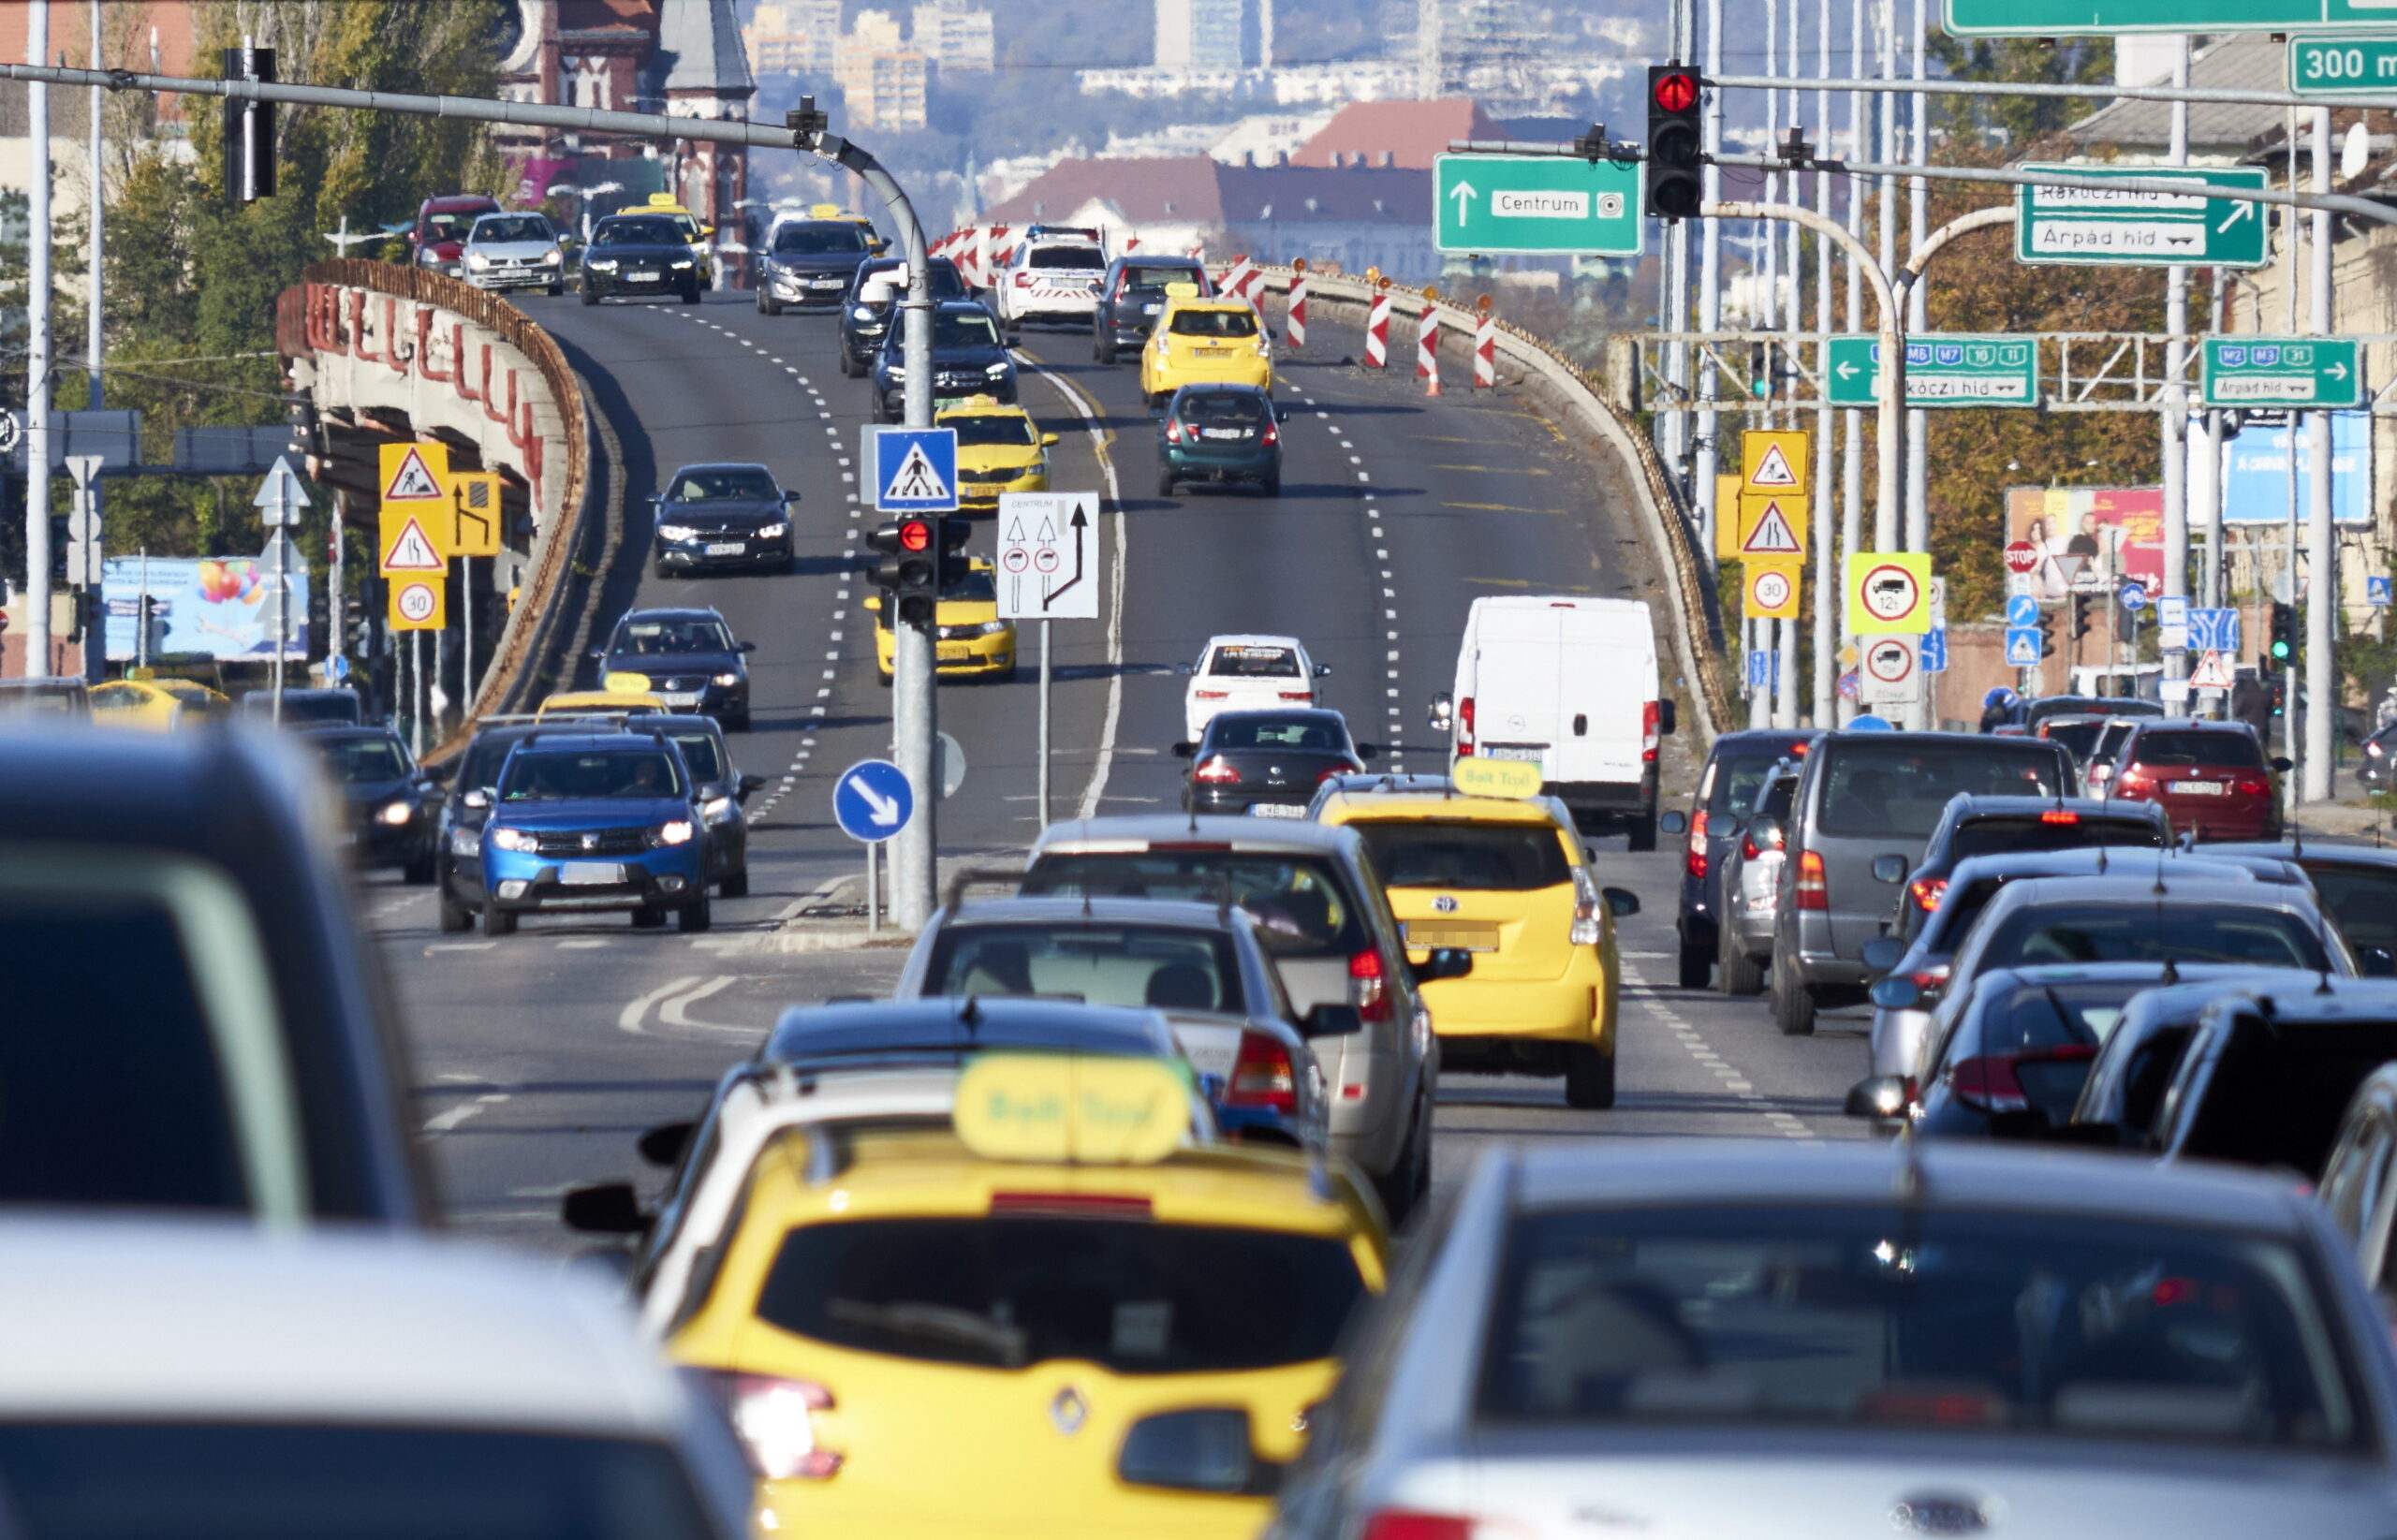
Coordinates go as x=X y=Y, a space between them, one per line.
x=2078 y=737
x=363 y=759
x=1214 y=323
x=1133 y=1296
x=1467 y=858
x=1900 y=790
x=1134 y=965
x=2129 y=932
x=1079 y=258
x=2360 y=900
x=1732 y=780
x=2063 y=829
x=1300 y=735
x=317 y=706
x=1949 y=1322
x=2277 y=1096
x=2230 y=750
x=1300 y=902
x=1246 y=662
x=1154 y=280
x=1222 y=408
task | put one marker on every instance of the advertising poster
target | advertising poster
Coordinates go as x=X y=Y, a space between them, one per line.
x=2255 y=478
x=221 y=608
x=2116 y=532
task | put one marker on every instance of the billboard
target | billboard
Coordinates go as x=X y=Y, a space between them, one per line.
x=220 y=606
x=2117 y=532
x=2255 y=478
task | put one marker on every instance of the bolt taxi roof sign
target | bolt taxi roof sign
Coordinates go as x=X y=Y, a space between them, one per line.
x=1479 y=777
x=1073 y=1108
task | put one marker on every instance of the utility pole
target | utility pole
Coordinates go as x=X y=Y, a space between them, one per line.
x=1710 y=298
x=1918 y=533
x=2174 y=437
x=38 y=285
x=1826 y=680
x=2322 y=546
x=1851 y=513
x=94 y=610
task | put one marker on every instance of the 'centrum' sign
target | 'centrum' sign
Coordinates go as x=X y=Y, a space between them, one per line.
x=2098 y=18
x=2134 y=228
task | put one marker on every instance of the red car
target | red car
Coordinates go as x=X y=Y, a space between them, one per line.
x=2211 y=778
x=439 y=238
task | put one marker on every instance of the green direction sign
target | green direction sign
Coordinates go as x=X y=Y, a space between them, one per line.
x=2342 y=67
x=1528 y=205
x=2127 y=229
x=2283 y=372
x=1942 y=369
x=2093 y=18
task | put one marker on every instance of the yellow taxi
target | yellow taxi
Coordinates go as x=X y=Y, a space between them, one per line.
x=875 y=242
x=971 y=642
x=1505 y=878
x=989 y=1330
x=625 y=694
x=999 y=449
x=155 y=705
x=1203 y=341
x=702 y=249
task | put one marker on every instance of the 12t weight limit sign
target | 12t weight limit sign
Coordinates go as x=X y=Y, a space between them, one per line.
x=1888 y=592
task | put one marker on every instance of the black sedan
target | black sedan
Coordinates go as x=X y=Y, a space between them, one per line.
x=810 y=262
x=722 y=516
x=686 y=657
x=873 y=295
x=1268 y=763
x=970 y=359
x=642 y=257
x=722 y=794
x=392 y=811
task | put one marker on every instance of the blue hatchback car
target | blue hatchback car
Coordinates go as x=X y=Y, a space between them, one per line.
x=588 y=821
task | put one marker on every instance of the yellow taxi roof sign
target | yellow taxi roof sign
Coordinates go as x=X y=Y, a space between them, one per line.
x=825 y=211
x=1070 y=1109
x=1479 y=777
x=1182 y=291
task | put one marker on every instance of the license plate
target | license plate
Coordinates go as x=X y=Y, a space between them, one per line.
x=679 y=697
x=727 y=548
x=953 y=654
x=1212 y=352
x=642 y=277
x=829 y=283
x=1527 y=755
x=2195 y=789
x=591 y=874
x=1422 y=933
x=1151 y=310
x=1275 y=809
x=1221 y=432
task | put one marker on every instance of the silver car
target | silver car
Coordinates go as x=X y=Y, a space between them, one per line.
x=513 y=251
x=1751 y=882
x=1724 y=1339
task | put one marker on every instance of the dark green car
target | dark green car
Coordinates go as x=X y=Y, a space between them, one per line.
x=1229 y=435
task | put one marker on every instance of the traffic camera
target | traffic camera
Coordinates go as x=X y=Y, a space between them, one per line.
x=1674 y=142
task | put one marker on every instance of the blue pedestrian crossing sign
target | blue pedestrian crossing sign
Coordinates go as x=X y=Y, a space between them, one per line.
x=872 y=801
x=2021 y=609
x=2375 y=590
x=915 y=470
x=2021 y=647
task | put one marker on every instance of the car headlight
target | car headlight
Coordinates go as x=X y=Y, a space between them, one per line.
x=477 y=259
x=465 y=842
x=1000 y=370
x=600 y=264
x=993 y=628
x=680 y=266
x=773 y=532
x=674 y=832
x=727 y=681
x=676 y=531
x=717 y=810
x=552 y=256
x=396 y=812
x=513 y=838
x=896 y=371
x=861 y=313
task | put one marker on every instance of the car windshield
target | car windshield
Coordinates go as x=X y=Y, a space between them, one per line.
x=2078 y=737
x=1134 y=965
x=1298 y=734
x=1131 y=1295
x=2060 y=829
x=553 y=775
x=2077 y=931
x=352 y=760
x=515 y=226
x=1938 y=1323
x=1246 y=662
x=1899 y=790
x=990 y=430
x=480 y=766
x=1466 y=857
x=1214 y=323
x=726 y=484
x=90 y=1479
x=666 y=638
x=952 y=330
x=1299 y=900
x=1732 y=780
x=1079 y=259
x=2277 y=1096
x=836 y=238
x=2226 y=750
x=648 y=232
x=700 y=755
x=1147 y=280
x=2360 y=900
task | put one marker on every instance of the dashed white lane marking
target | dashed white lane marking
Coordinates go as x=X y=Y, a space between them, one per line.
x=443 y=1123
x=1709 y=1059
x=586 y=944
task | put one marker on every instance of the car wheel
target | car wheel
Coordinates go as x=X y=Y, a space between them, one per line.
x=498 y=922
x=696 y=916
x=648 y=919
x=556 y=289
x=1589 y=1078
x=1697 y=967
x=691 y=295
x=767 y=306
x=1164 y=483
x=1410 y=1175
x=665 y=573
x=1271 y=486
x=590 y=295
x=1742 y=975
x=1793 y=1004
x=848 y=365
x=738 y=724
x=456 y=918
x=1104 y=352
x=735 y=884
x=1643 y=834
x=417 y=873
x=884 y=675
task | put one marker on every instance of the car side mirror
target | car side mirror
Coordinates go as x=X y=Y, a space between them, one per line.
x=1877 y=1097
x=747 y=784
x=445 y=770
x=1675 y=822
x=598 y=651
x=1323 y=670
x=1668 y=720
x=1184 y=749
x=1280 y=414
x=1183 y=668
x=609 y=1208
x=1331 y=1020
x=1896 y=994
x=478 y=798
x=1888 y=868
x=1369 y=750
x=1883 y=953
x=1441 y=712
x=2376 y=963
x=2282 y=763
x=663 y=1145
x=790 y=496
x=1048 y=441
x=1444 y=963
x=1203 y=1450
x=746 y=646
x=1621 y=901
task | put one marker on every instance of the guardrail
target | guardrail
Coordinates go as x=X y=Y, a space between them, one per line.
x=527 y=662
x=1572 y=392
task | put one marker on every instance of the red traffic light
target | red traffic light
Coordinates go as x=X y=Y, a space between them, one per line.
x=915 y=535
x=1676 y=90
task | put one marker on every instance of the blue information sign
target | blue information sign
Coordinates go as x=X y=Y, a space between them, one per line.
x=871 y=801
x=2214 y=630
x=2023 y=647
x=2021 y=609
x=2133 y=597
x=1934 y=649
x=2375 y=590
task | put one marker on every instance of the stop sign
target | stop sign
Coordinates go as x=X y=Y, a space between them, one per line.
x=2020 y=556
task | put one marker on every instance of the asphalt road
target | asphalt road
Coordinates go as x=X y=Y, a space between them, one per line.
x=541 y=1056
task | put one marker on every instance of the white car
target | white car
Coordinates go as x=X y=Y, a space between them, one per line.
x=1055 y=275
x=514 y=251
x=1247 y=673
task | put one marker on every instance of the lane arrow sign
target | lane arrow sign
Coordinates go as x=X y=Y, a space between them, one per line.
x=1465 y=194
x=882 y=810
x=1078 y=525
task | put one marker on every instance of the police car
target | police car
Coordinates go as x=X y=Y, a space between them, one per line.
x=1055 y=275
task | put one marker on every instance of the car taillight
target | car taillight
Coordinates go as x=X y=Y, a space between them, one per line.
x=2133 y=780
x=1272 y=433
x=1211 y=695
x=1408 y=1524
x=2253 y=788
x=1024 y=280
x=2374 y=749
x=1812 y=894
x=1331 y=772
x=1216 y=771
x=1372 y=991
x=1931 y=980
x=1464 y=725
x=1695 y=863
x=1649 y=717
x=1991 y=1084
x=2059 y=815
x=1926 y=891
x=1588 y=926
x=775 y=1420
x=1296 y=695
x=1748 y=848
x=1262 y=1076
x=1173 y=429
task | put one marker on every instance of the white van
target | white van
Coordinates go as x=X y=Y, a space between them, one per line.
x=1571 y=685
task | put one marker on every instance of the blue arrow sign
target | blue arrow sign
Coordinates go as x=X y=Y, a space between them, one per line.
x=1935 y=651
x=915 y=470
x=871 y=801
x=2022 y=647
x=1760 y=669
x=2021 y=609
x=2214 y=630
x=2133 y=597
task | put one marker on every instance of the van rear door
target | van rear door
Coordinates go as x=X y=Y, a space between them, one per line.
x=1518 y=664
x=1605 y=678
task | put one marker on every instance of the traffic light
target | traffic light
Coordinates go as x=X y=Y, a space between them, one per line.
x=300 y=423
x=2079 y=616
x=2284 y=632
x=954 y=563
x=2046 y=634
x=249 y=129
x=1673 y=141
x=910 y=567
x=357 y=627
x=2126 y=624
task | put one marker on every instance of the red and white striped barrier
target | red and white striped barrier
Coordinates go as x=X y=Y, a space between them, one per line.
x=1297 y=327
x=1427 y=343
x=1485 y=348
x=1377 y=328
x=1236 y=277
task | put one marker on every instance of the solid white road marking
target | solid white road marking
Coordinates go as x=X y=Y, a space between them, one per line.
x=629 y=1018
x=442 y=1123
